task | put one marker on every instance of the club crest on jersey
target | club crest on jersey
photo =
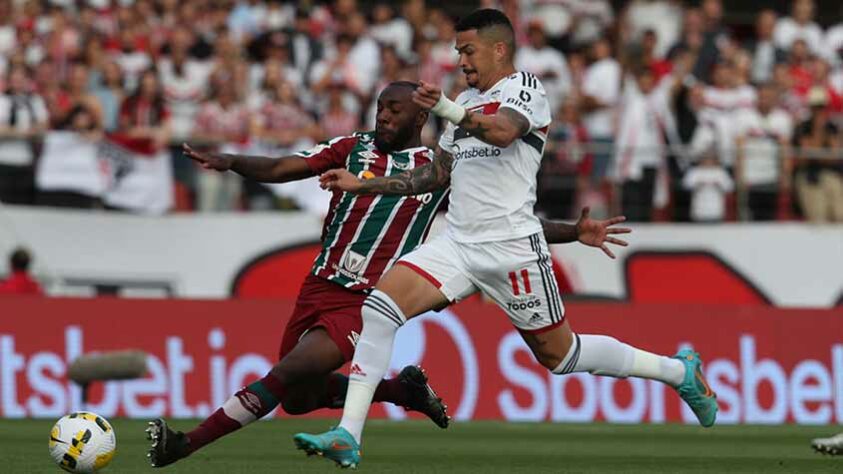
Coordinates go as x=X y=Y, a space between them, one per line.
x=401 y=165
x=353 y=261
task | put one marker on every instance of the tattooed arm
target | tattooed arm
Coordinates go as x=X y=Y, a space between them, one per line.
x=500 y=129
x=426 y=178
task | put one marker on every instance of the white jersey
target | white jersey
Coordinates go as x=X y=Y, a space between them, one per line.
x=493 y=189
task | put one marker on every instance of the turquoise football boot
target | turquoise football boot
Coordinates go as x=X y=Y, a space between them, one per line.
x=337 y=445
x=695 y=390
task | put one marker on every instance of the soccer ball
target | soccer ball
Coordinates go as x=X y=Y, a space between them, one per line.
x=82 y=442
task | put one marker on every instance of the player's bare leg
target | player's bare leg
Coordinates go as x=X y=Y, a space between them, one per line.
x=563 y=352
x=400 y=295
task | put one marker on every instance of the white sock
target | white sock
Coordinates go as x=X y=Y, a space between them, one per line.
x=381 y=318
x=604 y=355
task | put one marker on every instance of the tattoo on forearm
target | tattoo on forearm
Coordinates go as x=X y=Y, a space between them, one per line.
x=519 y=121
x=432 y=176
x=472 y=125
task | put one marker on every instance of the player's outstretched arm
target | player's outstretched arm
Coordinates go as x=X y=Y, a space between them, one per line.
x=499 y=129
x=587 y=231
x=258 y=168
x=426 y=178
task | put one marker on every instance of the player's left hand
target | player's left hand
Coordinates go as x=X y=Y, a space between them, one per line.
x=597 y=233
x=426 y=95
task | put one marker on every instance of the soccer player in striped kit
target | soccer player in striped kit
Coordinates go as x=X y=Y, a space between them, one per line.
x=362 y=237
x=489 y=155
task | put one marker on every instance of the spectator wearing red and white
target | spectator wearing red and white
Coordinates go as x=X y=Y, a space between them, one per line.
x=710 y=184
x=662 y=17
x=75 y=94
x=184 y=81
x=131 y=55
x=144 y=114
x=277 y=58
x=388 y=29
x=445 y=39
x=19 y=281
x=833 y=42
x=762 y=167
x=568 y=155
x=339 y=68
x=721 y=103
x=429 y=70
x=365 y=54
x=284 y=123
x=646 y=130
x=601 y=87
x=393 y=68
x=224 y=118
x=29 y=46
x=225 y=123
x=800 y=25
x=762 y=48
x=63 y=41
x=546 y=63
x=659 y=66
x=338 y=120
x=23 y=116
x=229 y=61
x=8 y=31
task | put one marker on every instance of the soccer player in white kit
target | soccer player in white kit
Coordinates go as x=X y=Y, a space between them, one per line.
x=489 y=154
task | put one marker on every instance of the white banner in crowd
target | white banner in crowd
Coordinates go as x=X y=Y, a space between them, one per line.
x=122 y=172
x=70 y=162
x=141 y=179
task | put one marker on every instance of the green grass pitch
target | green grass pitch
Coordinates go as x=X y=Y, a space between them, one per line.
x=484 y=447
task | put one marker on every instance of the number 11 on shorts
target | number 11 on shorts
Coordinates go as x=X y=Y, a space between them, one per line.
x=516 y=285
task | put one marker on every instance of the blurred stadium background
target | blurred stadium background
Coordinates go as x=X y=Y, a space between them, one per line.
x=713 y=126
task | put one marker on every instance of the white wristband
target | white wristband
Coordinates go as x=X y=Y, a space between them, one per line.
x=449 y=110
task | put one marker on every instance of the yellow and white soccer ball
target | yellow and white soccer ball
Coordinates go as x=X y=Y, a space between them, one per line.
x=82 y=442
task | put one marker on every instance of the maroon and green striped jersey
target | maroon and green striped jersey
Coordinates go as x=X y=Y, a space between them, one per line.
x=363 y=236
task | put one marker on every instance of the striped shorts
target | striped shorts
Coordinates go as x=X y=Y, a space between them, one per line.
x=516 y=274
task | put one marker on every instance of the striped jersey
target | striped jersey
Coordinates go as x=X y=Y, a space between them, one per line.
x=493 y=189
x=364 y=235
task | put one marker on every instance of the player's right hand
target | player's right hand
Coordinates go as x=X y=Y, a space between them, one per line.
x=340 y=180
x=209 y=161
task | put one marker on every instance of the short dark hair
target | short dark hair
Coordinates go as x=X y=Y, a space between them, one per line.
x=489 y=20
x=408 y=84
x=20 y=259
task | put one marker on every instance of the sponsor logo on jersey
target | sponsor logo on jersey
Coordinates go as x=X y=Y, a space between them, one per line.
x=524 y=304
x=476 y=152
x=350 y=275
x=354 y=261
x=519 y=103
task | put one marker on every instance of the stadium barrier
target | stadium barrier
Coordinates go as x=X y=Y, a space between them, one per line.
x=768 y=365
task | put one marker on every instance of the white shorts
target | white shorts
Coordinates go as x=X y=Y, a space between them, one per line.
x=516 y=274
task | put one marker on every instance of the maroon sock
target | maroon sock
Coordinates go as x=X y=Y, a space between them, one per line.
x=393 y=391
x=248 y=404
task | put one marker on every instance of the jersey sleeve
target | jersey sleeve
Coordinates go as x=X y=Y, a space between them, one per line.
x=328 y=155
x=524 y=94
x=446 y=141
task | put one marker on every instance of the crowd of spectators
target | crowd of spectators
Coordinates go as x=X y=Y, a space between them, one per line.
x=664 y=111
